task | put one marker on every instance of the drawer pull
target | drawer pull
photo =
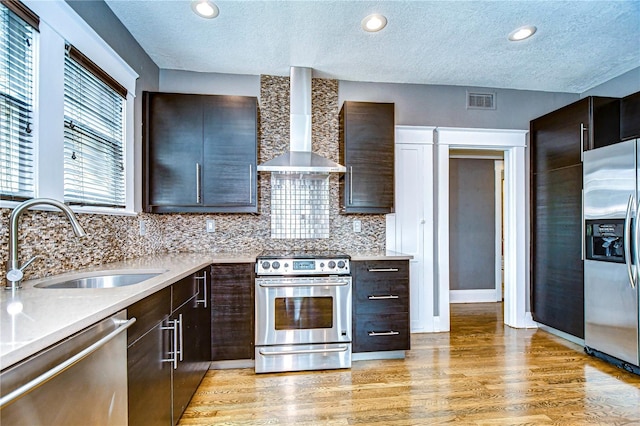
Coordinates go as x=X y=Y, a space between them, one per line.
x=383 y=270
x=383 y=333
x=391 y=296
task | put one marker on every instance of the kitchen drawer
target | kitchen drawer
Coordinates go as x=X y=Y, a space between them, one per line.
x=148 y=312
x=381 y=332
x=381 y=296
x=380 y=270
x=185 y=289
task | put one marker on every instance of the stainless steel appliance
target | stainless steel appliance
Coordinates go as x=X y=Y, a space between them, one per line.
x=303 y=312
x=611 y=185
x=80 y=381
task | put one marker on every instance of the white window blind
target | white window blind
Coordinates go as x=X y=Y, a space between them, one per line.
x=17 y=161
x=94 y=134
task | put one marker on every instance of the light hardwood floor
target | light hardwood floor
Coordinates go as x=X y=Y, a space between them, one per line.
x=481 y=373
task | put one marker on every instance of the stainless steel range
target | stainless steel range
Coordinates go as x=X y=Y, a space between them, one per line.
x=303 y=312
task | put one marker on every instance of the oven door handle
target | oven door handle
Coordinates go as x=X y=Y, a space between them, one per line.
x=267 y=352
x=293 y=284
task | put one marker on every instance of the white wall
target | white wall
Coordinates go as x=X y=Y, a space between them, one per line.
x=618 y=87
x=209 y=83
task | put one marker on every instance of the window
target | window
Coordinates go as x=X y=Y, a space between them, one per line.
x=66 y=121
x=94 y=134
x=17 y=150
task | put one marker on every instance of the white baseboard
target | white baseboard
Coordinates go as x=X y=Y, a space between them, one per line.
x=528 y=321
x=472 y=296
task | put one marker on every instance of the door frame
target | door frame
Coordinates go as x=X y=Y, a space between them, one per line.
x=513 y=143
x=487 y=295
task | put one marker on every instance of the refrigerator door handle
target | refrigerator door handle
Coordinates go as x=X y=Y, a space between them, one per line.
x=636 y=241
x=627 y=242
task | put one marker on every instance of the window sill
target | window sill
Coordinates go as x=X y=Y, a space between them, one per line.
x=76 y=209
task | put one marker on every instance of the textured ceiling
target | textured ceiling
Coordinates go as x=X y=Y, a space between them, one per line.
x=578 y=45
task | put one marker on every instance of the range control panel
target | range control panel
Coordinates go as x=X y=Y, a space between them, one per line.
x=292 y=266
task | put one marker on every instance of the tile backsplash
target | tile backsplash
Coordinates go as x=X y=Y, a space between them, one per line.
x=112 y=238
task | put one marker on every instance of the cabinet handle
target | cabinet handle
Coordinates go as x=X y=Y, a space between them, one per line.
x=350 y=185
x=636 y=237
x=383 y=333
x=383 y=270
x=204 y=289
x=583 y=128
x=391 y=296
x=181 y=350
x=250 y=183
x=197 y=183
x=172 y=325
x=58 y=369
x=582 y=249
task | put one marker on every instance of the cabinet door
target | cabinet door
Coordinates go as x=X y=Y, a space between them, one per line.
x=193 y=361
x=173 y=155
x=557 y=138
x=630 y=117
x=367 y=152
x=149 y=379
x=605 y=122
x=232 y=311
x=230 y=152
x=557 y=288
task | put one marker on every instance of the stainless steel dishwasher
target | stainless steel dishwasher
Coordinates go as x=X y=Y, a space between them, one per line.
x=80 y=381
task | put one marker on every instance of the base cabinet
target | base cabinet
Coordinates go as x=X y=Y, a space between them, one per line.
x=168 y=351
x=232 y=312
x=380 y=305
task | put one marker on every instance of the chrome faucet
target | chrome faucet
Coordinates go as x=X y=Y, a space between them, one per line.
x=14 y=270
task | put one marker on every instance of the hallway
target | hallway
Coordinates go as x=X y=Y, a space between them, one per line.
x=481 y=373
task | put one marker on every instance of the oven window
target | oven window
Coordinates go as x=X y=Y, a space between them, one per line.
x=299 y=313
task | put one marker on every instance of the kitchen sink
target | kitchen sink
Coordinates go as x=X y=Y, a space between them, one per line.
x=102 y=281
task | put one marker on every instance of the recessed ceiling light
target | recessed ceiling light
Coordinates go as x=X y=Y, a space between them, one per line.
x=205 y=8
x=373 y=23
x=522 y=33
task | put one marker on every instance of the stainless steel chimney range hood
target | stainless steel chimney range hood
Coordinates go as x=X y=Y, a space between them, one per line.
x=300 y=159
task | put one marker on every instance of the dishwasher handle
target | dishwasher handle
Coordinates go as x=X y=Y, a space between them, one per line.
x=65 y=365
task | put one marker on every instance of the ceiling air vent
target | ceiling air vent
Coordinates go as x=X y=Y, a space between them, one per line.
x=477 y=100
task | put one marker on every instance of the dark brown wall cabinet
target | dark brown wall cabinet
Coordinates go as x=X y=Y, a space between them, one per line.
x=380 y=305
x=169 y=351
x=232 y=311
x=630 y=117
x=200 y=153
x=557 y=142
x=367 y=151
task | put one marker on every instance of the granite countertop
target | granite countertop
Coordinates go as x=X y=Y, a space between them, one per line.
x=31 y=319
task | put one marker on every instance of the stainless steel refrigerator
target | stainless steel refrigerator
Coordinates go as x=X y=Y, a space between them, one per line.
x=611 y=231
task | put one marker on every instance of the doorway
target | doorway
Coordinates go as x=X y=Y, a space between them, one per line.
x=475 y=226
x=512 y=144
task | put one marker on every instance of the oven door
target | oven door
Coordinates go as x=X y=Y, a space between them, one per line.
x=303 y=310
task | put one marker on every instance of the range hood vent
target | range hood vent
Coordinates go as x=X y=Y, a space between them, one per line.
x=300 y=159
